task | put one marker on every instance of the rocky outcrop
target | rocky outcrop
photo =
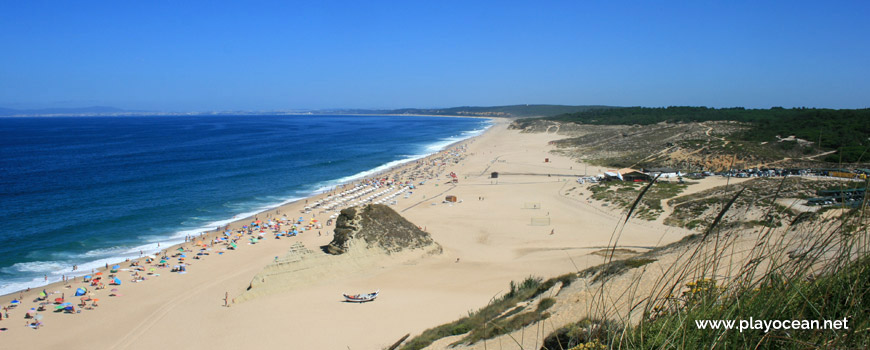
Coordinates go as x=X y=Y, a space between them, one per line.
x=376 y=225
x=366 y=239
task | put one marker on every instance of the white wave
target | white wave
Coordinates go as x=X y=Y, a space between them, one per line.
x=36 y=267
x=114 y=255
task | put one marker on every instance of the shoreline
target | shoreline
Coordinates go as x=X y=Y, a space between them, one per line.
x=241 y=219
x=486 y=236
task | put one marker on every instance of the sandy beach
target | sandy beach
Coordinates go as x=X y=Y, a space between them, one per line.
x=488 y=239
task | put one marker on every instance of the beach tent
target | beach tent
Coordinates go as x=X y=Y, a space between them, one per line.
x=81 y=291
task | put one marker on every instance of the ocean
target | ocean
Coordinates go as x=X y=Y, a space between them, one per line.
x=95 y=190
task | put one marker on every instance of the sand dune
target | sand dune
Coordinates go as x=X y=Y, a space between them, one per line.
x=488 y=239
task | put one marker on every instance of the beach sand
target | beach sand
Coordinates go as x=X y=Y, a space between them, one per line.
x=487 y=239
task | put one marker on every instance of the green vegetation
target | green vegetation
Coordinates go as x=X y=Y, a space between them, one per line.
x=817 y=274
x=501 y=316
x=622 y=194
x=518 y=111
x=843 y=294
x=696 y=211
x=844 y=130
x=584 y=334
x=616 y=267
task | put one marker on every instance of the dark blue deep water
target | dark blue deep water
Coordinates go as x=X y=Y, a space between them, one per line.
x=94 y=190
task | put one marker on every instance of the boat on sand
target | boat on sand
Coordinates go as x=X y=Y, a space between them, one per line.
x=361 y=298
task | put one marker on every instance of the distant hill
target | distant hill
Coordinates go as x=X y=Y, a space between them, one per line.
x=8 y=112
x=843 y=130
x=513 y=111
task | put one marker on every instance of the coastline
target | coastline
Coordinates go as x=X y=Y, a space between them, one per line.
x=487 y=243
x=177 y=239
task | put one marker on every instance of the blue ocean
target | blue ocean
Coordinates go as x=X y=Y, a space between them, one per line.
x=95 y=190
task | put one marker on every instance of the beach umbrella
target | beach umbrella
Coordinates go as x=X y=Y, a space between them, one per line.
x=117 y=281
x=14 y=301
x=81 y=291
x=87 y=277
x=162 y=261
x=98 y=274
x=183 y=255
x=115 y=267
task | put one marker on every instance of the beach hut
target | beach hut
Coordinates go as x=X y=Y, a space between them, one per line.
x=451 y=198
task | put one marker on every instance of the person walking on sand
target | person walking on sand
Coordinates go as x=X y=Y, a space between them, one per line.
x=227 y=299
x=552 y=231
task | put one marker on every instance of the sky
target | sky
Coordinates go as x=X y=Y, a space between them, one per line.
x=175 y=56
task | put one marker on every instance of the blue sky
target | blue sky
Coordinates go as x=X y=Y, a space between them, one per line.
x=264 y=55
